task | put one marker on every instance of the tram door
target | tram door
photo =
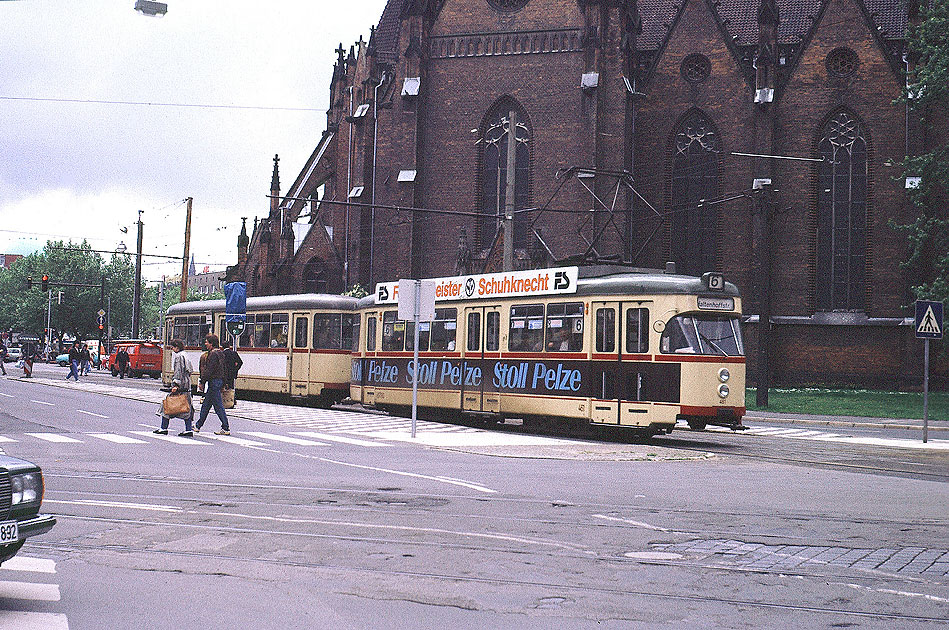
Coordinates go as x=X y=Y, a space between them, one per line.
x=300 y=356
x=620 y=362
x=606 y=377
x=482 y=347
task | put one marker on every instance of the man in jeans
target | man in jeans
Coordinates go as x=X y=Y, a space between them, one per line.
x=213 y=373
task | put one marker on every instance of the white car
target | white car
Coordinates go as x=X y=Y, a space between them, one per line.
x=14 y=354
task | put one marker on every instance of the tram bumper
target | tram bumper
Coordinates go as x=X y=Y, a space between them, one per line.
x=728 y=417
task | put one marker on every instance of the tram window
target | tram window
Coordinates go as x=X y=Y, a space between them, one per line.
x=350 y=331
x=262 y=331
x=527 y=328
x=444 y=328
x=710 y=335
x=247 y=337
x=371 y=332
x=191 y=330
x=393 y=332
x=300 y=333
x=474 y=332
x=565 y=327
x=424 y=332
x=492 y=331
x=637 y=330
x=279 y=330
x=327 y=333
x=605 y=330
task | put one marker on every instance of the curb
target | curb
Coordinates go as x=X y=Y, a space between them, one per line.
x=856 y=423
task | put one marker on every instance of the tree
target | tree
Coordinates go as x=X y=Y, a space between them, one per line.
x=24 y=309
x=927 y=94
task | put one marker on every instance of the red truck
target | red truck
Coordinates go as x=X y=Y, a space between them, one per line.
x=144 y=358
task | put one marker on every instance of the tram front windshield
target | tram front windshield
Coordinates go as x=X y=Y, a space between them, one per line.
x=715 y=335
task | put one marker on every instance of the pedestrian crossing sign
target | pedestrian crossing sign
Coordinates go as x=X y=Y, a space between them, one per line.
x=929 y=320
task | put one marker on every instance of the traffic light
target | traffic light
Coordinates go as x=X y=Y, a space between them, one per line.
x=29 y=282
x=45 y=284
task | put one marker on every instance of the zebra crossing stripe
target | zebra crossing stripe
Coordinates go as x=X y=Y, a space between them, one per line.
x=284 y=438
x=22 y=620
x=235 y=440
x=29 y=590
x=337 y=438
x=28 y=563
x=54 y=437
x=171 y=438
x=4 y=438
x=118 y=439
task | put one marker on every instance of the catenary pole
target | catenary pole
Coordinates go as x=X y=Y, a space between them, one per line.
x=184 y=260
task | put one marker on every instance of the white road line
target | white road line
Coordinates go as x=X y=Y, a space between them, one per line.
x=29 y=590
x=284 y=438
x=28 y=563
x=89 y=413
x=118 y=439
x=118 y=504
x=337 y=438
x=629 y=522
x=233 y=440
x=54 y=437
x=7 y=395
x=448 y=480
x=43 y=402
x=171 y=438
x=6 y=439
x=20 y=620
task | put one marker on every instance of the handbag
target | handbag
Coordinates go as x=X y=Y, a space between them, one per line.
x=175 y=405
x=227 y=397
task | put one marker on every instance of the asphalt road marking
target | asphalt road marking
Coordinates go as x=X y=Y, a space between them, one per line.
x=3 y=438
x=629 y=522
x=7 y=395
x=438 y=478
x=43 y=402
x=338 y=438
x=118 y=439
x=171 y=438
x=28 y=563
x=284 y=438
x=118 y=504
x=233 y=440
x=10 y=619
x=89 y=413
x=29 y=590
x=54 y=437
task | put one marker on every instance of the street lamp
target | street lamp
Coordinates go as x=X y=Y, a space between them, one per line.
x=121 y=248
x=153 y=9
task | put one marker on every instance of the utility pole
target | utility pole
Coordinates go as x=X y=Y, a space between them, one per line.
x=137 y=289
x=184 y=260
x=49 y=316
x=509 y=192
x=764 y=201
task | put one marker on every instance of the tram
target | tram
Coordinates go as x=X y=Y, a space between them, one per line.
x=294 y=345
x=609 y=346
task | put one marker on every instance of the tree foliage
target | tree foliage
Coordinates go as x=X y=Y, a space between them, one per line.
x=927 y=94
x=24 y=310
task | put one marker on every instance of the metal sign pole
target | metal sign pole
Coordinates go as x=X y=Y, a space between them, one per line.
x=418 y=304
x=925 y=390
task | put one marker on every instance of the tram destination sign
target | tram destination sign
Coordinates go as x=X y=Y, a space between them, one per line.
x=506 y=284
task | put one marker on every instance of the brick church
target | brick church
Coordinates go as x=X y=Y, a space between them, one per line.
x=752 y=137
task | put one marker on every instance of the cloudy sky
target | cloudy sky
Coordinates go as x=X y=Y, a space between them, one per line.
x=226 y=85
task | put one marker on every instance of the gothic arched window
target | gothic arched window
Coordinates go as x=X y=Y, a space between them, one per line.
x=842 y=215
x=496 y=137
x=695 y=178
x=314 y=276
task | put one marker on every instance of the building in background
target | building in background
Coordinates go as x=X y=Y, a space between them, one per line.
x=628 y=131
x=7 y=260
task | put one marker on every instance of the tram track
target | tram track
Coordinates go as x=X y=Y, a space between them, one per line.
x=508 y=582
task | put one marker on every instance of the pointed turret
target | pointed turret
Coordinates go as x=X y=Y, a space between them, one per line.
x=275 y=186
x=243 y=241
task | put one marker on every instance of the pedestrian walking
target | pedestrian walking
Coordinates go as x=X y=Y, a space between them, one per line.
x=212 y=374
x=180 y=384
x=122 y=360
x=75 y=357
x=3 y=357
x=86 y=360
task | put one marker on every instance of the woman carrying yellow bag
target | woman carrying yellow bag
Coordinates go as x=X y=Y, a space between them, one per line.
x=172 y=406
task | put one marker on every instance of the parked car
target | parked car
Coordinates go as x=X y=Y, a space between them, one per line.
x=144 y=358
x=63 y=359
x=13 y=354
x=21 y=493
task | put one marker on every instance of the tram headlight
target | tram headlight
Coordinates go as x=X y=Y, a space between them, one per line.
x=723 y=391
x=724 y=375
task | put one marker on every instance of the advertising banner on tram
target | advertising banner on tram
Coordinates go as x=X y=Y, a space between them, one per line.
x=497 y=285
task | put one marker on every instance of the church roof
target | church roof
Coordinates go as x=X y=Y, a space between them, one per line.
x=387 y=32
x=741 y=19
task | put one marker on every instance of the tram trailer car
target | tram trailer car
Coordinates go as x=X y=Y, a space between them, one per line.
x=294 y=345
x=607 y=346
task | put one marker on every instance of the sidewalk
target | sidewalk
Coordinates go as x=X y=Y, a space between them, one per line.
x=914 y=424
